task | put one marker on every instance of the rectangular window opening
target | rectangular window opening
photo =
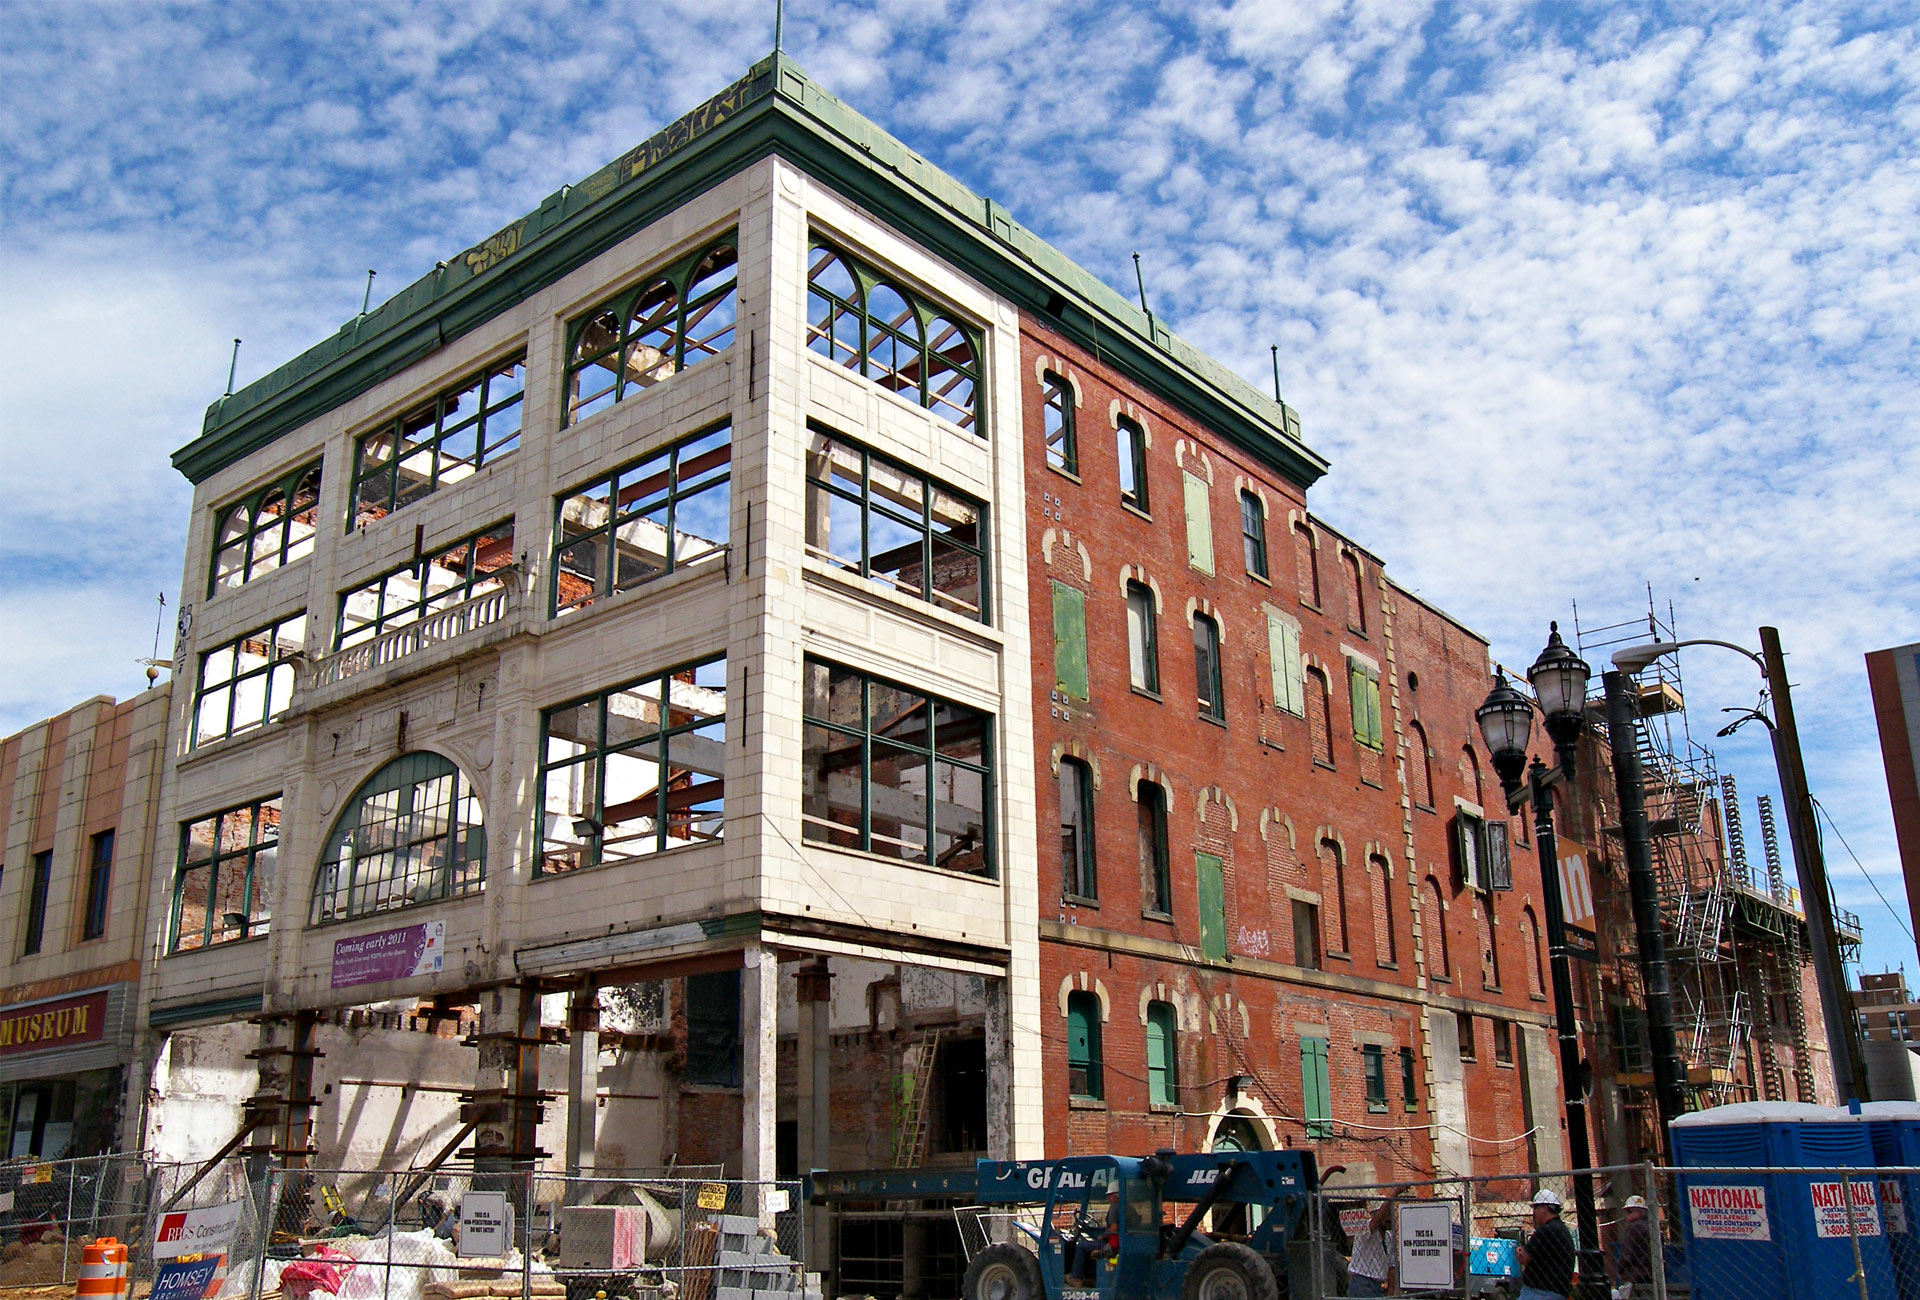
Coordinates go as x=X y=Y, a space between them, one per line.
x=99 y=880
x=1155 y=867
x=1132 y=455
x=1253 y=533
x=446 y=440
x=891 y=770
x=1056 y=421
x=247 y=682
x=1143 y=639
x=871 y=516
x=1374 y=1061
x=223 y=890
x=1076 y=830
x=1306 y=934
x=646 y=519
x=1206 y=668
x=443 y=579
x=635 y=770
x=38 y=887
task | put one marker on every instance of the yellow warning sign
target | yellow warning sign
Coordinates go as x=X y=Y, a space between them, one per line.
x=713 y=1196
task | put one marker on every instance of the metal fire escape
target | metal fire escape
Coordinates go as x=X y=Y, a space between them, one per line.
x=1713 y=1008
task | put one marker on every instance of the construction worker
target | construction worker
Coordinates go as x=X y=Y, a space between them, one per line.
x=1633 y=1252
x=1547 y=1260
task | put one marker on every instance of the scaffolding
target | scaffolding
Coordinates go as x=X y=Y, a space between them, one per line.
x=1711 y=906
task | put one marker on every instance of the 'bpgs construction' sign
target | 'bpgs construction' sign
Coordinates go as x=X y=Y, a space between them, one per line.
x=65 y=1022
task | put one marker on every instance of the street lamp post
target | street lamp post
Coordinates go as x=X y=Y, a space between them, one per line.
x=1849 y=1068
x=1559 y=679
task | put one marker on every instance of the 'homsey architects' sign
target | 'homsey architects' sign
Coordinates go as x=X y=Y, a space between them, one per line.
x=62 y=1022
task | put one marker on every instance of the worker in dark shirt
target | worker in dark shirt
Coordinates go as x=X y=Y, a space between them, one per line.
x=1547 y=1258
x=1633 y=1253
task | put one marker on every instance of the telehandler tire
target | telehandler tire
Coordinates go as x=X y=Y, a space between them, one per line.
x=1004 y=1272
x=1227 y=1270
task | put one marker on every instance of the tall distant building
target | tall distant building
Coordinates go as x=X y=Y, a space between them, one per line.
x=1894 y=678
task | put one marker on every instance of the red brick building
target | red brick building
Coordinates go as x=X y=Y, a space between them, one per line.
x=1263 y=757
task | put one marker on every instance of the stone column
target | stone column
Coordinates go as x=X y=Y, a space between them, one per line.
x=759 y=1080
x=506 y=1099
x=814 y=1087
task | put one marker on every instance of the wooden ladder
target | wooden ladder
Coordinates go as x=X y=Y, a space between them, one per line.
x=910 y=1138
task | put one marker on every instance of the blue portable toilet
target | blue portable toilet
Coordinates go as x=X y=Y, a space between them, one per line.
x=1772 y=1231
x=1894 y=1127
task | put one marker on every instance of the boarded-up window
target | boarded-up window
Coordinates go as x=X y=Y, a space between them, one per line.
x=1212 y=875
x=1530 y=939
x=1433 y=925
x=1363 y=684
x=1283 y=662
x=1307 y=559
x=1356 y=593
x=1335 y=882
x=1316 y=1089
x=1489 y=952
x=713 y=1029
x=1199 y=523
x=1320 y=717
x=1419 y=767
x=1070 y=640
x=1499 y=857
x=1380 y=878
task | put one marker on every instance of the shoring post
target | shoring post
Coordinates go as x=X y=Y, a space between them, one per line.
x=1656 y=1231
x=275 y=1186
x=526 y=1239
x=66 y=1229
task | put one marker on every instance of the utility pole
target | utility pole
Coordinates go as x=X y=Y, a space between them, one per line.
x=1623 y=720
x=1843 y=1045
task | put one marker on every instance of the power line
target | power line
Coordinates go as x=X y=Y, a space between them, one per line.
x=1898 y=920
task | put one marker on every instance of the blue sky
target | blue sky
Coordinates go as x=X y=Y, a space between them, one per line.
x=1575 y=297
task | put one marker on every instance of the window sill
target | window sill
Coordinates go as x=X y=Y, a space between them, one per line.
x=678 y=850
x=1492 y=988
x=1536 y=997
x=1504 y=1065
x=1138 y=510
x=1379 y=1109
x=1441 y=979
x=218 y=944
x=1163 y=1108
x=1144 y=693
x=1323 y=764
x=1208 y=717
x=1334 y=954
x=867 y=855
x=1079 y=900
x=221 y=589
x=1307 y=604
x=1064 y=472
x=1360 y=632
x=1260 y=578
x=1085 y=1103
x=1423 y=807
x=1274 y=745
x=1370 y=783
x=226 y=744
x=1387 y=965
x=873 y=591
x=1165 y=918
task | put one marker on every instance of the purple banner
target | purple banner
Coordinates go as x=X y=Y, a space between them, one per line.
x=389 y=955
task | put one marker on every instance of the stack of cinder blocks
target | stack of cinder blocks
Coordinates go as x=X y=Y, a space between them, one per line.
x=748 y=1266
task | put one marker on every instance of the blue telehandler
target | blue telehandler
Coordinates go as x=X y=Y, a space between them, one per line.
x=1127 y=1227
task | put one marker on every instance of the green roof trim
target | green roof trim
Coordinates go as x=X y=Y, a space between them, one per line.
x=774 y=109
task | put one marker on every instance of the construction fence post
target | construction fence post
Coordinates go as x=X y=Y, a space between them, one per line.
x=1656 y=1232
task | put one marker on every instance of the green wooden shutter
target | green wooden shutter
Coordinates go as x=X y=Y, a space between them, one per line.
x=1357 y=697
x=1316 y=1088
x=1212 y=875
x=1199 y=524
x=1160 y=1054
x=1375 y=736
x=1070 y=640
x=1283 y=660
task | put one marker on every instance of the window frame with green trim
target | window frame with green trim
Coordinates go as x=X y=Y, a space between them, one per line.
x=896 y=350
x=267 y=541
x=468 y=425
x=255 y=895
x=433 y=806
x=1084 y=1050
x=1163 y=1078
x=656 y=323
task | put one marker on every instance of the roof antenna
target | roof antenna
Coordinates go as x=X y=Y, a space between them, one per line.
x=153 y=663
x=367 y=297
x=232 y=366
x=1141 y=281
x=779 y=23
x=1275 y=349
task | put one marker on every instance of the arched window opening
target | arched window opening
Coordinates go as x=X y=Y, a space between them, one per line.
x=646 y=334
x=1356 y=593
x=413 y=833
x=1335 y=883
x=1472 y=773
x=1530 y=936
x=1307 y=559
x=1319 y=717
x=890 y=335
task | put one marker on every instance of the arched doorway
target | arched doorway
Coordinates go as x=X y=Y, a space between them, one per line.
x=1236 y=1133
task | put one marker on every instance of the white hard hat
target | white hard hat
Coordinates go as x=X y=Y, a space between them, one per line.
x=1548 y=1197
x=1636 y=1202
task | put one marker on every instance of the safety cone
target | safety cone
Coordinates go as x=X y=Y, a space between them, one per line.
x=103 y=1271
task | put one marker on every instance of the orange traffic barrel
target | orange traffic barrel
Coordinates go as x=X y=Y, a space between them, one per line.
x=103 y=1271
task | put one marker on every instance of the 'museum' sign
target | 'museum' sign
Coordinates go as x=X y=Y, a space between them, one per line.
x=64 y=1022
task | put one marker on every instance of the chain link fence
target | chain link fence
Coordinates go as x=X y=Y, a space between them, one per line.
x=49 y=1209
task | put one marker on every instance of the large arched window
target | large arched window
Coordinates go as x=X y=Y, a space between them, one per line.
x=652 y=331
x=891 y=335
x=411 y=834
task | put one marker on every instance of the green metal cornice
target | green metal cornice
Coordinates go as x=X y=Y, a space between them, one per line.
x=774 y=109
